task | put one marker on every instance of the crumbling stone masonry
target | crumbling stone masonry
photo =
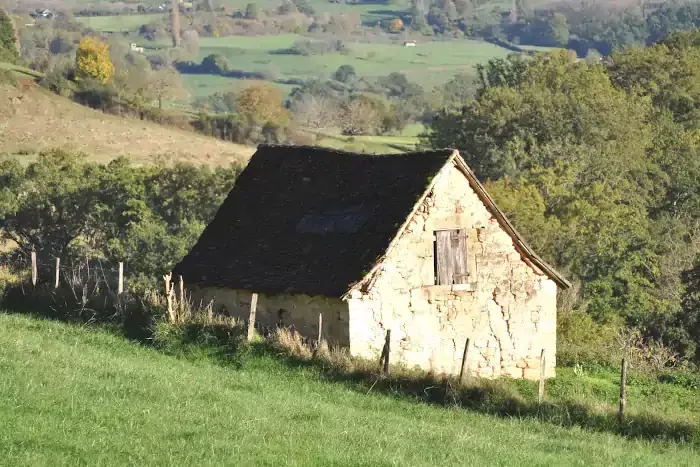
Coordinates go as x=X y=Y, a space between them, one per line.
x=507 y=309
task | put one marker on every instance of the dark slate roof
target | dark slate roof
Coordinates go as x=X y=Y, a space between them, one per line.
x=308 y=220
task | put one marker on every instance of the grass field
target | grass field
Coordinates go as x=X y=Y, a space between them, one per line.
x=404 y=142
x=429 y=64
x=78 y=396
x=120 y=23
x=33 y=119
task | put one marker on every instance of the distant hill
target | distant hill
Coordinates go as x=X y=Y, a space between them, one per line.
x=33 y=119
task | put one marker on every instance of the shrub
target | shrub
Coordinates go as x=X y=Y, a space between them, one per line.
x=307 y=48
x=581 y=340
x=215 y=64
x=55 y=81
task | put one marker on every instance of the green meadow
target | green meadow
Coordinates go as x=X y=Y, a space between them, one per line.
x=120 y=23
x=73 y=395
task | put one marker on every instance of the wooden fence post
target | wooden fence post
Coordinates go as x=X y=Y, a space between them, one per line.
x=623 y=391
x=58 y=271
x=120 y=284
x=462 y=375
x=34 y=271
x=320 y=328
x=169 y=296
x=251 y=318
x=384 y=359
x=540 y=386
x=181 y=299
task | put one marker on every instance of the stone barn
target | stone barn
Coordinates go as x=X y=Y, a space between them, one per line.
x=410 y=243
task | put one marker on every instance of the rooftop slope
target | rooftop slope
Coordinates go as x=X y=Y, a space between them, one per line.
x=33 y=119
x=308 y=220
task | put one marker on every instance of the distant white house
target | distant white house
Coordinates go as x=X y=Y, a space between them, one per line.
x=135 y=48
x=409 y=44
x=44 y=14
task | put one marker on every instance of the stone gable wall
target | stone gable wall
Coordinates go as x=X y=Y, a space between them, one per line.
x=507 y=309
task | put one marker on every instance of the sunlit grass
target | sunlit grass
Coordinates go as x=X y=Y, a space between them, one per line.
x=77 y=396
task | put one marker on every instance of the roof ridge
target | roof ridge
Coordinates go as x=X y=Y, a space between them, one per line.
x=349 y=153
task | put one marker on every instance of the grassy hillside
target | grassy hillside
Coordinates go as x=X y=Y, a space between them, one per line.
x=33 y=119
x=72 y=395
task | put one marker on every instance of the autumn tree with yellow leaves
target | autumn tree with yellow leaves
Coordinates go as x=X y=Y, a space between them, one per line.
x=262 y=104
x=92 y=60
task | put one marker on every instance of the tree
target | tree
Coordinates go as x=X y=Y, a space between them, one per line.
x=9 y=45
x=303 y=6
x=166 y=84
x=668 y=72
x=222 y=102
x=59 y=209
x=418 y=12
x=261 y=104
x=561 y=131
x=251 y=11
x=345 y=74
x=396 y=25
x=457 y=91
x=175 y=22
x=190 y=41
x=63 y=206
x=215 y=64
x=132 y=74
x=316 y=111
x=559 y=30
x=92 y=60
x=360 y=117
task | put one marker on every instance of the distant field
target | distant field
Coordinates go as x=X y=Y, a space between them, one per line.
x=121 y=23
x=404 y=142
x=429 y=64
x=74 y=395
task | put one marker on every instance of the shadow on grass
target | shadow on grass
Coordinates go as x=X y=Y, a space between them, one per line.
x=494 y=397
x=226 y=345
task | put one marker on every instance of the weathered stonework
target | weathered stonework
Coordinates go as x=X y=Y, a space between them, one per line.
x=507 y=309
x=297 y=311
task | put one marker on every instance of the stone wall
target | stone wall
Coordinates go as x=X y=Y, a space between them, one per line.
x=298 y=311
x=507 y=309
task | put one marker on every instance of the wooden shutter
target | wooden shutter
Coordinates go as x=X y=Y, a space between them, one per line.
x=451 y=257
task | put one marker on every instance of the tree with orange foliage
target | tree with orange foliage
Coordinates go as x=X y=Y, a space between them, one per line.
x=262 y=104
x=396 y=25
x=92 y=60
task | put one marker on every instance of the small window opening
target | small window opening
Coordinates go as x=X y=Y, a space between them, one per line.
x=451 y=257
